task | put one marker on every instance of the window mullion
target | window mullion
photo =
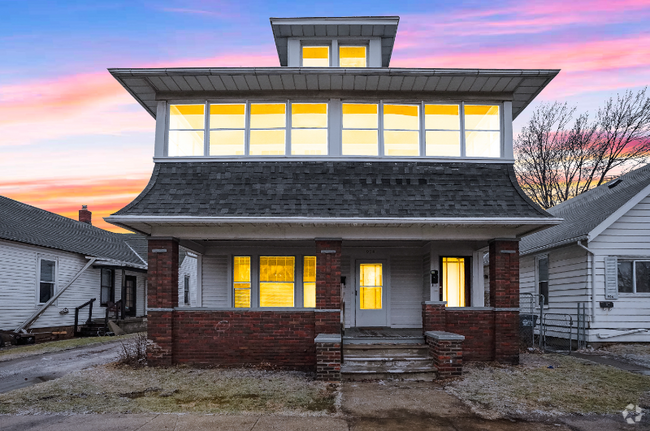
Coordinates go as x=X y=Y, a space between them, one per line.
x=247 y=128
x=422 y=134
x=288 y=126
x=634 y=276
x=206 y=128
x=463 y=151
x=380 y=126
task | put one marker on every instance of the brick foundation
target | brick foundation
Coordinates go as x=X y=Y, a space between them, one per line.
x=159 y=338
x=328 y=357
x=478 y=328
x=282 y=339
x=446 y=350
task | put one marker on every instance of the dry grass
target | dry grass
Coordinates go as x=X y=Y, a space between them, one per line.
x=56 y=346
x=548 y=385
x=121 y=389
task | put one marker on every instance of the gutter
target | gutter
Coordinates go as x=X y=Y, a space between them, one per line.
x=591 y=284
x=44 y=307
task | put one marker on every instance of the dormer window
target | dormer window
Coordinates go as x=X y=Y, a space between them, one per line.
x=315 y=56
x=353 y=56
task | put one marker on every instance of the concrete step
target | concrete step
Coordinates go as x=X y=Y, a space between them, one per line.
x=383 y=340
x=403 y=370
x=381 y=351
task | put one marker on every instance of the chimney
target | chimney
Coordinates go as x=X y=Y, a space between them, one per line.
x=85 y=216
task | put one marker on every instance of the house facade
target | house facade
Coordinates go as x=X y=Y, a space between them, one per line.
x=598 y=256
x=331 y=195
x=50 y=264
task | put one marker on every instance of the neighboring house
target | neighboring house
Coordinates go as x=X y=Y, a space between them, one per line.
x=331 y=189
x=41 y=253
x=187 y=278
x=599 y=255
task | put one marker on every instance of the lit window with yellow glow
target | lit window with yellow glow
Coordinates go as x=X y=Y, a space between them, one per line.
x=227 y=129
x=371 y=286
x=352 y=56
x=360 y=129
x=316 y=56
x=186 y=130
x=309 y=129
x=482 y=131
x=242 y=281
x=453 y=281
x=401 y=130
x=267 y=129
x=442 y=130
x=309 y=282
x=277 y=281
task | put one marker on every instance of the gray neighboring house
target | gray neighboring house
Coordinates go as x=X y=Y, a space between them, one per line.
x=600 y=255
x=43 y=254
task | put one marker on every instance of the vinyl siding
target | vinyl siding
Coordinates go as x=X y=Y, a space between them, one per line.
x=188 y=267
x=346 y=271
x=215 y=288
x=406 y=292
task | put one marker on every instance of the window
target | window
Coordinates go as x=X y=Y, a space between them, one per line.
x=47 y=280
x=442 y=130
x=634 y=276
x=309 y=282
x=316 y=56
x=542 y=277
x=227 y=129
x=371 y=283
x=482 y=137
x=455 y=281
x=401 y=130
x=352 y=56
x=242 y=281
x=268 y=124
x=186 y=130
x=277 y=281
x=107 y=293
x=360 y=129
x=186 y=290
x=309 y=129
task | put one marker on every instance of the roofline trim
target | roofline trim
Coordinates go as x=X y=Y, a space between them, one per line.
x=564 y=242
x=612 y=218
x=335 y=221
x=343 y=20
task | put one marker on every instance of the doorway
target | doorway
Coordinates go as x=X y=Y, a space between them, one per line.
x=371 y=293
x=130 y=283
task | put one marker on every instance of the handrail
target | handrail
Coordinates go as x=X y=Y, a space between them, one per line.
x=76 y=314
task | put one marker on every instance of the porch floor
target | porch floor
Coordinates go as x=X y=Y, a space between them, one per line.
x=383 y=336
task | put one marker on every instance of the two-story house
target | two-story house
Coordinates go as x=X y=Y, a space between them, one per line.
x=332 y=201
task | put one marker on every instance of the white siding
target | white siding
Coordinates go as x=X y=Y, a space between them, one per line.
x=140 y=293
x=406 y=292
x=215 y=279
x=188 y=268
x=349 y=290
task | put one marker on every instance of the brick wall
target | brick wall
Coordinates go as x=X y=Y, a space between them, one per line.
x=283 y=339
x=504 y=294
x=433 y=317
x=506 y=334
x=328 y=286
x=447 y=357
x=159 y=336
x=478 y=328
x=328 y=360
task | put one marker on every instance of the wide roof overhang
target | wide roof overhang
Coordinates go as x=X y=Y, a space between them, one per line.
x=150 y=85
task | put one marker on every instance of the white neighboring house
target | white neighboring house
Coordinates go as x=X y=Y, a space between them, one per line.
x=600 y=255
x=43 y=255
x=187 y=278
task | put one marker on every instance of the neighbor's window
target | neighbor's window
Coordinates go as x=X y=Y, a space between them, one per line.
x=277 y=281
x=186 y=290
x=316 y=56
x=371 y=280
x=268 y=129
x=634 y=276
x=309 y=129
x=442 y=130
x=401 y=130
x=542 y=278
x=352 y=56
x=227 y=129
x=454 y=281
x=47 y=280
x=309 y=282
x=482 y=136
x=242 y=281
x=360 y=129
x=107 y=293
x=186 y=130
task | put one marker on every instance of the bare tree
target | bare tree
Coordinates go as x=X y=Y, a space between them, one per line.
x=555 y=163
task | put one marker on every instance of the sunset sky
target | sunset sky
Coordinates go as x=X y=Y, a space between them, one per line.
x=71 y=135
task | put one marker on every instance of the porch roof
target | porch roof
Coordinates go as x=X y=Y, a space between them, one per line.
x=332 y=193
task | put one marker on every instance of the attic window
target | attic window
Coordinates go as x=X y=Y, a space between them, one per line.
x=352 y=56
x=316 y=56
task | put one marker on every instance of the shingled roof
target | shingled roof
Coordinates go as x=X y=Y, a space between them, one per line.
x=334 y=189
x=30 y=225
x=587 y=211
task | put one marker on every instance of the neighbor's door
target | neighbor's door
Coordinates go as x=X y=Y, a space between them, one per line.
x=129 y=295
x=371 y=293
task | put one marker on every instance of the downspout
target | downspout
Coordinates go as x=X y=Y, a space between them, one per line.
x=592 y=288
x=44 y=307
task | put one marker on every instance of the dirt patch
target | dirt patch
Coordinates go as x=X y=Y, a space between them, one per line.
x=547 y=385
x=638 y=354
x=119 y=389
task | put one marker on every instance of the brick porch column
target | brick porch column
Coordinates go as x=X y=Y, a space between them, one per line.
x=504 y=297
x=162 y=297
x=328 y=286
x=433 y=316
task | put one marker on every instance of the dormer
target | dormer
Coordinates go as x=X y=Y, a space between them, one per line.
x=335 y=42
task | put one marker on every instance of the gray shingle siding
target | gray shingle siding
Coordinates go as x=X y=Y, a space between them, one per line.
x=333 y=189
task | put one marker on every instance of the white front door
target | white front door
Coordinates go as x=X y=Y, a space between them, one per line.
x=371 y=293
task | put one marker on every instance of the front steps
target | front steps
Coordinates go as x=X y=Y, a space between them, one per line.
x=404 y=359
